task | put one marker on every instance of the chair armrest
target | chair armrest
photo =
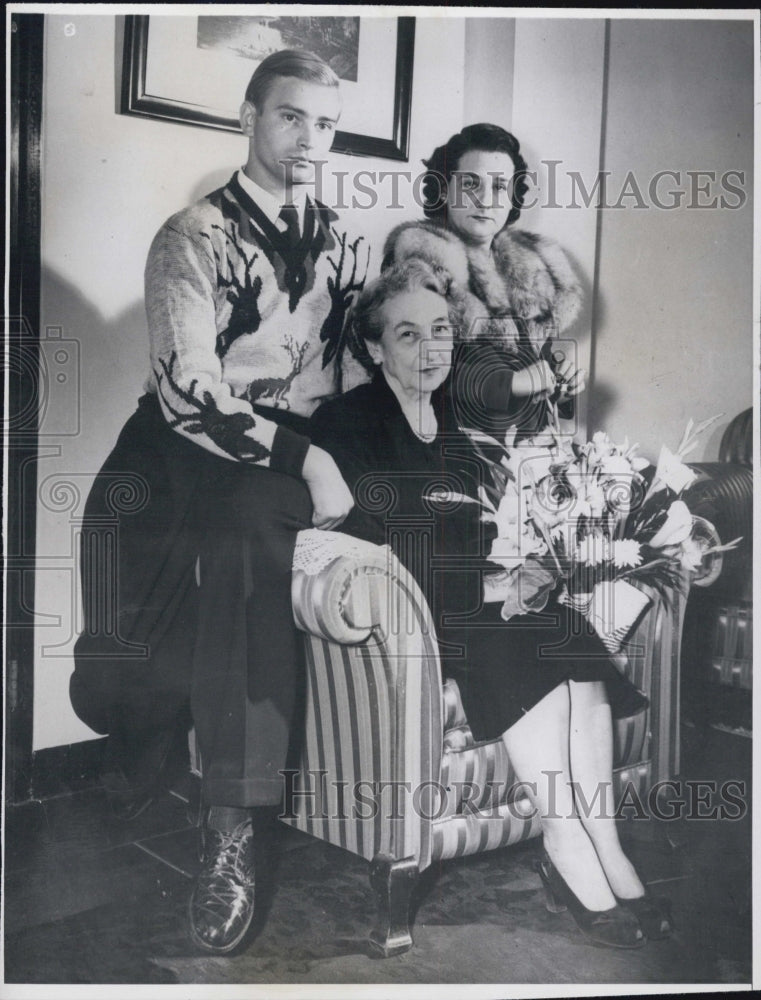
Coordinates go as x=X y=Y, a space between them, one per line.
x=374 y=696
x=654 y=653
x=330 y=586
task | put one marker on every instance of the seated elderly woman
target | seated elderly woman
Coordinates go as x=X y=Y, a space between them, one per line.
x=544 y=683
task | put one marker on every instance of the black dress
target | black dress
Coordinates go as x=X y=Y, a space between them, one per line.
x=502 y=668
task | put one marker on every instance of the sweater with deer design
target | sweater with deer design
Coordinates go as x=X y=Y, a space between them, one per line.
x=240 y=315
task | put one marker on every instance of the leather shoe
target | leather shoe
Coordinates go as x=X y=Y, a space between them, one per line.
x=222 y=902
x=653 y=913
x=613 y=928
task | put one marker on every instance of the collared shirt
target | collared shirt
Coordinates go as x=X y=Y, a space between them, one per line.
x=269 y=203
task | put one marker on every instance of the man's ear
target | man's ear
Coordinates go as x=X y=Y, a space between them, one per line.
x=247 y=117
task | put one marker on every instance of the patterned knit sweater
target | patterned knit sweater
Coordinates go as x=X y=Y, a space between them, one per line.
x=239 y=315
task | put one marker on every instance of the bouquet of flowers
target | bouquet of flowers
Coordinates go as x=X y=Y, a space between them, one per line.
x=593 y=518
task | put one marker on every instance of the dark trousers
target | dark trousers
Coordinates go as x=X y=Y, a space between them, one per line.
x=155 y=640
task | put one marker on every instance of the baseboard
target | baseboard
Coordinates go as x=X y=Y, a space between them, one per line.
x=59 y=770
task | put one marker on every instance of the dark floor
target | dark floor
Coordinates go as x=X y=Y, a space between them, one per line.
x=88 y=901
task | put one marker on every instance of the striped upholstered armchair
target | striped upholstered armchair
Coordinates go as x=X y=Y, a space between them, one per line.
x=389 y=769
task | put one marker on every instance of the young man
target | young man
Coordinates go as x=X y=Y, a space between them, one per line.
x=246 y=295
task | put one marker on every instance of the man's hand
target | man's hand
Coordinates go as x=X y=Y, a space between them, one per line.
x=331 y=497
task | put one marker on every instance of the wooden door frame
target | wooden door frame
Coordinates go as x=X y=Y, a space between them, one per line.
x=22 y=331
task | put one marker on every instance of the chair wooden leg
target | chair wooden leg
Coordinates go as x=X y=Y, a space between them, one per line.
x=393 y=883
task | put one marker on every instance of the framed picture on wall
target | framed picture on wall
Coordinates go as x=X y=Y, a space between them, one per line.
x=195 y=70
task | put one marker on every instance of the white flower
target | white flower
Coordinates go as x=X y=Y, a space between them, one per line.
x=616 y=466
x=543 y=513
x=534 y=464
x=626 y=552
x=676 y=528
x=506 y=552
x=508 y=515
x=691 y=555
x=532 y=545
x=600 y=449
x=595 y=498
x=690 y=437
x=593 y=549
x=589 y=500
x=672 y=473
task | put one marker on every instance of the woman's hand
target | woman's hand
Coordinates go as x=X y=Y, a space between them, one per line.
x=570 y=380
x=536 y=380
x=331 y=497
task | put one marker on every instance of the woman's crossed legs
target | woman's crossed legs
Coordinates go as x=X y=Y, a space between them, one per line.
x=563 y=749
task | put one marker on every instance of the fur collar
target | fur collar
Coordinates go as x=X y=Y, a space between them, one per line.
x=526 y=275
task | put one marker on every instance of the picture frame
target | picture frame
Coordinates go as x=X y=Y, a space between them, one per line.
x=149 y=91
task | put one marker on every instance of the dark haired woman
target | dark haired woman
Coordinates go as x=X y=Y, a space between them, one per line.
x=521 y=289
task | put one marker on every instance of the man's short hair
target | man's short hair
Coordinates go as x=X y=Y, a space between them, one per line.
x=296 y=63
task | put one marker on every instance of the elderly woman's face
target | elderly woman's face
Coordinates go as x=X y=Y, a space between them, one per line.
x=478 y=198
x=415 y=350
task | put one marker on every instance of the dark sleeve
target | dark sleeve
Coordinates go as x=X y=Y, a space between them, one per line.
x=482 y=396
x=289 y=449
x=482 y=387
x=338 y=431
x=567 y=408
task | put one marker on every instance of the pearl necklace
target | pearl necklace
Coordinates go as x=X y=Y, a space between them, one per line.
x=428 y=428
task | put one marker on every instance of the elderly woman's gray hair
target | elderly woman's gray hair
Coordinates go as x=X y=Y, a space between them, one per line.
x=410 y=275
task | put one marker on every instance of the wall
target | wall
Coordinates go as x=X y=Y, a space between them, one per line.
x=674 y=333
x=490 y=43
x=557 y=117
x=109 y=181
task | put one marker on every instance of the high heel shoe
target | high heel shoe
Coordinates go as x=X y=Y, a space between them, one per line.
x=653 y=913
x=615 y=928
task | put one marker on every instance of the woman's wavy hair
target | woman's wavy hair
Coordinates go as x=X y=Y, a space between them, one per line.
x=367 y=316
x=444 y=161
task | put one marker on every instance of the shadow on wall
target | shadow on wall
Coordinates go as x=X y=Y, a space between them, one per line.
x=93 y=370
x=605 y=398
x=583 y=331
x=92 y=374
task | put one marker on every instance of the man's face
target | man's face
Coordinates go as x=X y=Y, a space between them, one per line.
x=292 y=129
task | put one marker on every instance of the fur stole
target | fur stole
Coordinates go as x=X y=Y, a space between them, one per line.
x=526 y=275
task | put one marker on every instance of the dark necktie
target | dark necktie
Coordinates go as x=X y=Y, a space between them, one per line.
x=290 y=216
